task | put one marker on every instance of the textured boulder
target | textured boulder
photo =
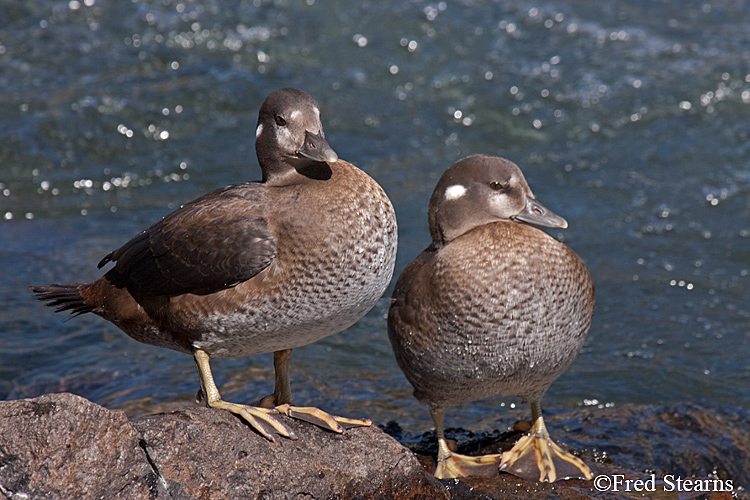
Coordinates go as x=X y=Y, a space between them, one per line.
x=207 y=454
x=62 y=446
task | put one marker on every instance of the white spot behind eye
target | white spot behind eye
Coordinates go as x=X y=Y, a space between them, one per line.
x=285 y=140
x=258 y=130
x=454 y=192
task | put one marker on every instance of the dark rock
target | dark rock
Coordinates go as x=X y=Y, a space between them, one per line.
x=507 y=487
x=686 y=439
x=708 y=447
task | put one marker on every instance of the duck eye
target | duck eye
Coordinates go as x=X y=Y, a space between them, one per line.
x=280 y=121
x=498 y=186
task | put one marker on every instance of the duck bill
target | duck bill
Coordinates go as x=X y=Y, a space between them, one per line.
x=316 y=148
x=536 y=213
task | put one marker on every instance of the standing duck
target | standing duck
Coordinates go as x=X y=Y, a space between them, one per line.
x=255 y=267
x=493 y=307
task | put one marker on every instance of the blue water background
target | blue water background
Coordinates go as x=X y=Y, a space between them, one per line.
x=629 y=118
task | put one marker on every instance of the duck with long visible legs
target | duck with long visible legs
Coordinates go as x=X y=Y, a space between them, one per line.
x=255 y=267
x=493 y=307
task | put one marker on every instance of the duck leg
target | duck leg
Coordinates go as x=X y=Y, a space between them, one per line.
x=536 y=456
x=282 y=400
x=451 y=464
x=263 y=420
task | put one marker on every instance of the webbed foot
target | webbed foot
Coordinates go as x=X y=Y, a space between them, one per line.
x=451 y=464
x=536 y=457
x=322 y=419
x=263 y=420
x=281 y=400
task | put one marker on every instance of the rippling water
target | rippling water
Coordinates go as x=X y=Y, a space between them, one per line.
x=629 y=118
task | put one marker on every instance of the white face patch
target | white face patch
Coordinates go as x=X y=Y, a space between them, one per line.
x=258 y=130
x=295 y=114
x=454 y=192
x=285 y=140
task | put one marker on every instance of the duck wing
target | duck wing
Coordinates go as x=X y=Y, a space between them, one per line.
x=210 y=244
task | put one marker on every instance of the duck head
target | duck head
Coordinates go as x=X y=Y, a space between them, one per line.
x=289 y=139
x=481 y=189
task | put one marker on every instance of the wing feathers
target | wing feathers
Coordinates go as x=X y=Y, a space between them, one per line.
x=213 y=243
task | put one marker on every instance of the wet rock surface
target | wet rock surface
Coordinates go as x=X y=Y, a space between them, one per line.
x=680 y=451
x=63 y=446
